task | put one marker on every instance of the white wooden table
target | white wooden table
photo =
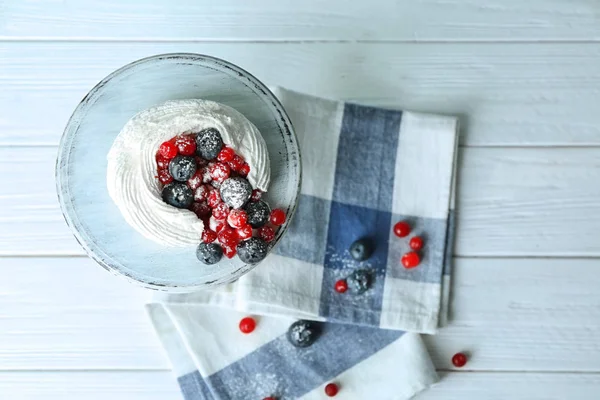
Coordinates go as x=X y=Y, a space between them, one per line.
x=525 y=77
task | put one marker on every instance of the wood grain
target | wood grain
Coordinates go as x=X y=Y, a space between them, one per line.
x=510 y=315
x=507 y=94
x=511 y=202
x=306 y=20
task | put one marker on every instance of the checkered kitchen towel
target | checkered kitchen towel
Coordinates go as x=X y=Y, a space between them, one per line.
x=364 y=169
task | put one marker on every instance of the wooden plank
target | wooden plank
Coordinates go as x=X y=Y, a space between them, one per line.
x=305 y=20
x=507 y=94
x=511 y=202
x=510 y=315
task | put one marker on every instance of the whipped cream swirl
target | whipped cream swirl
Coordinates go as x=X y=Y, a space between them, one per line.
x=131 y=171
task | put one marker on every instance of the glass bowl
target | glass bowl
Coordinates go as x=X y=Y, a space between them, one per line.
x=95 y=220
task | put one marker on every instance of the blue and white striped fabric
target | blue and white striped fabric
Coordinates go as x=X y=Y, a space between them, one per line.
x=364 y=169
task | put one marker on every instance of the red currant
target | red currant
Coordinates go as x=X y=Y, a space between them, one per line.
x=331 y=389
x=196 y=180
x=202 y=192
x=459 y=360
x=237 y=218
x=277 y=217
x=186 y=144
x=401 y=229
x=221 y=211
x=247 y=325
x=245 y=232
x=236 y=163
x=229 y=251
x=228 y=237
x=244 y=169
x=161 y=162
x=341 y=286
x=410 y=260
x=256 y=195
x=266 y=233
x=209 y=236
x=214 y=198
x=416 y=243
x=168 y=150
x=164 y=176
x=200 y=162
x=201 y=209
x=219 y=171
x=226 y=154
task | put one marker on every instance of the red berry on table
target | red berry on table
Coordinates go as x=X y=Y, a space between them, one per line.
x=236 y=163
x=416 y=243
x=164 y=176
x=341 y=286
x=270 y=398
x=221 y=211
x=245 y=232
x=266 y=233
x=256 y=195
x=237 y=218
x=196 y=180
x=208 y=236
x=219 y=171
x=186 y=145
x=201 y=209
x=410 y=260
x=161 y=162
x=167 y=150
x=459 y=360
x=277 y=217
x=214 y=198
x=228 y=237
x=247 y=324
x=331 y=389
x=244 y=169
x=229 y=251
x=401 y=229
x=226 y=154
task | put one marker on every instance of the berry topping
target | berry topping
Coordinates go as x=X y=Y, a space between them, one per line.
x=219 y=171
x=256 y=195
x=196 y=180
x=247 y=325
x=266 y=233
x=201 y=162
x=186 y=145
x=253 y=250
x=201 y=192
x=277 y=217
x=214 y=198
x=164 y=176
x=237 y=218
x=209 y=143
x=236 y=192
x=331 y=389
x=361 y=249
x=167 y=150
x=236 y=163
x=401 y=229
x=182 y=168
x=208 y=236
x=162 y=162
x=178 y=195
x=416 y=243
x=209 y=253
x=359 y=281
x=216 y=225
x=244 y=169
x=410 y=260
x=459 y=360
x=341 y=286
x=303 y=333
x=245 y=232
x=221 y=211
x=258 y=213
x=226 y=154
x=201 y=209
x=229 y=251
x=228 y=237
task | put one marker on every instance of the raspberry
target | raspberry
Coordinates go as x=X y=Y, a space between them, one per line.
x=228 y=237
x=244 y=169
x=226 y=154
x=219 y=171
x=161 y=162
x=202 y=210
x=201 y=192
x=167 y=150
x=277 y=217
x=208 y=236
x=214 y=198
x=256 y=195
x=236 y=163
x=186 y=144
x=245 y=232
x=229 y=251
x=221 y=211
x=216 y=225
x=266 y=233
x=164 y=176
x=196 y=180
x=237 y=218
